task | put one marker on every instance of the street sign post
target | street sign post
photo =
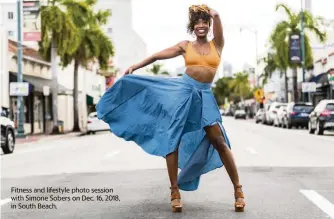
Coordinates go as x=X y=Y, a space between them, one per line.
x=309 y=87
x=20 y=103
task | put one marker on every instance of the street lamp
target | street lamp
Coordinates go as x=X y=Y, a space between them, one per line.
x=20 y=104
x=255 y=32
x=302 y=41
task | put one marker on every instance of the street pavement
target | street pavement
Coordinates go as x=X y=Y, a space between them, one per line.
x=284 y=173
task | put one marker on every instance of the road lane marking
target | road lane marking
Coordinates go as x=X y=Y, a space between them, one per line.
x=112 y=154
x=319 y=201
x=5 y=201
x=251 y=150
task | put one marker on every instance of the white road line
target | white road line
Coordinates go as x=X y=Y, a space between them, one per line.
x=251 y=150
x=112 y=154
x=319 y=201
x=5 y=201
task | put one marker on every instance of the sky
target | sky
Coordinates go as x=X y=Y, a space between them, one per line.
x=162 y=23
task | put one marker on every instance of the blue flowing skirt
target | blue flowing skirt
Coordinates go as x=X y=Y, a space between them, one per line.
x=162 y=115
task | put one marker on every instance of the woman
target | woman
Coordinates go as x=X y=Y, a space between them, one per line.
x=177 y=118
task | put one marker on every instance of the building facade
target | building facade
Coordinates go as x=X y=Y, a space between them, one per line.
x=37 y=72
x=129 y=46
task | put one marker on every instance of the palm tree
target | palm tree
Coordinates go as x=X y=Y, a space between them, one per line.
x=59 y=36
x=240 y=85
x=269 y=68
x=93 y=44
x=156 y=69
x=222 y=89
x=281 y=35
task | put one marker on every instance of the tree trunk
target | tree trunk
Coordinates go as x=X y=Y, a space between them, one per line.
x=286 y=86
x=54 y=88
x=295 y=86
x=76 y=127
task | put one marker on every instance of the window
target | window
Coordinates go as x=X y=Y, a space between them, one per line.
x=330 y=107
x=10 y=15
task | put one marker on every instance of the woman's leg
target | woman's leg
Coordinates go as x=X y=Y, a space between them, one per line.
x=217 y=139
x=172 y=166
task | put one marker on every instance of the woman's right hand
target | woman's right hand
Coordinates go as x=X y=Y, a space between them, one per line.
x=129 y=70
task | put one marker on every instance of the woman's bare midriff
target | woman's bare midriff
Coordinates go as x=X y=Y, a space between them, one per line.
x=201 y=74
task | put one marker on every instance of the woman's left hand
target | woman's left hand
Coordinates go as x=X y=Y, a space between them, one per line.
x=213 y=12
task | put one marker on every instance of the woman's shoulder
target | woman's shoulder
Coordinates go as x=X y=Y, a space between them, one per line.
x=184 y=44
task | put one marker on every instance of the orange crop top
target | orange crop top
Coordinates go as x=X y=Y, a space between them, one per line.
x=192 y=58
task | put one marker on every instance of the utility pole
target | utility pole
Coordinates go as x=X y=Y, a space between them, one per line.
x=255 y=32
x=302 y=41
x=20 y=103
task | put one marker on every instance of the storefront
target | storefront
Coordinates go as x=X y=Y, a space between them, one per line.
x=37 y=106
x=323 y=88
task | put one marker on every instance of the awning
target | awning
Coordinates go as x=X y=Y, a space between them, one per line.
x=320 y=79
x=89 y=100
x=39 y=83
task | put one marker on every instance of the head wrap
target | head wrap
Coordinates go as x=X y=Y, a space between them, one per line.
x=198 y=8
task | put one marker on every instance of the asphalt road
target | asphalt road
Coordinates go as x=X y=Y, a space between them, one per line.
x=285 y=174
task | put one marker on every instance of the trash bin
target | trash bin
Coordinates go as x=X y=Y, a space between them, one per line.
x=60 y=125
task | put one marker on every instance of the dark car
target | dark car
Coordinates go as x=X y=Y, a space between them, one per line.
x=322 y=117
x=297 y=114
x=240 y=114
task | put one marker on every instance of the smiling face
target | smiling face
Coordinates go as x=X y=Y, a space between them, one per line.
x=201 y=28
x=199 y=23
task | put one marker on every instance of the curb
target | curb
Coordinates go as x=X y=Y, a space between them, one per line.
x=35 y=139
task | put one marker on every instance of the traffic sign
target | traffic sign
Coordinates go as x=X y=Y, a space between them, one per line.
x=331 y=77
x=308 y=87
x=19 y=89
x=46 y=90
x=258 y=94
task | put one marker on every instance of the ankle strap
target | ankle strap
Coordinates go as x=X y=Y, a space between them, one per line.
x=238 y=186
x=175 y=194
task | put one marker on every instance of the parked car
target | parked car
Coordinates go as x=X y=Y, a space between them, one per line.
x=281 y=112
x=265 y=112
x=7 y=134
x=297 y=115
x=240 y=114
x=272 y=112
x=94 y=124
x=259 y=116
x=322 y=117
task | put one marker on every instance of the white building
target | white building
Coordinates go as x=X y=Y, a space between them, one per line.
x=91 y=86
x=129 y=47
x=8 y=18
x=4 y=75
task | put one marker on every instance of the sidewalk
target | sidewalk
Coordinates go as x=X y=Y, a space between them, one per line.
x=41 y=138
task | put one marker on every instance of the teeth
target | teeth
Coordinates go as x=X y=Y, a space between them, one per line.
x=201 y=31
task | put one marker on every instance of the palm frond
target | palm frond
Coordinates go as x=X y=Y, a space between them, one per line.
x=287 y=10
